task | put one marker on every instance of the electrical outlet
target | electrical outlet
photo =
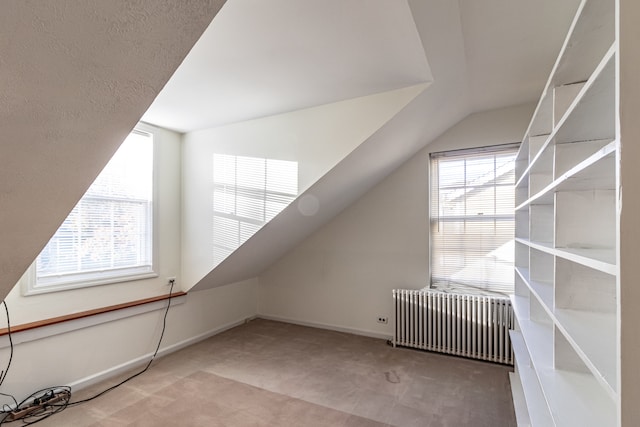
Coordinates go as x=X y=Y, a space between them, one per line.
x=383 y=319
x=171 y=280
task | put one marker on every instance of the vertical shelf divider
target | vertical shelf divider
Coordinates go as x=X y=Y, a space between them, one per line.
x=567 y=285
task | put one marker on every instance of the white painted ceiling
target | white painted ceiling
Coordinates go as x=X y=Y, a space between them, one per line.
x=260 y=58
x=75 y=77
x=462 y=83
x=510 y=46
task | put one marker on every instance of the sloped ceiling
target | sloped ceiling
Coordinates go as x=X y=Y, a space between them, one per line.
x=260 y=58
x=75 y=77
x=510 y=47
x=482 y=55
x=329 y=133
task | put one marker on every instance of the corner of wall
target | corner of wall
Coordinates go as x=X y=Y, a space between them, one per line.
x=342 y=276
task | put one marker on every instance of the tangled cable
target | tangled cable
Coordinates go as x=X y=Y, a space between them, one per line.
x=51 y=400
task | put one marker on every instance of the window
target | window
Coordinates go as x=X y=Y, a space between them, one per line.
x=472 y=219
x=108 y=236
x=248 y=192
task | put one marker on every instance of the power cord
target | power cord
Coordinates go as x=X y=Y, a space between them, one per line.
x=3 y=374
x=49 y=401
x=39 y=406
x=155 y=353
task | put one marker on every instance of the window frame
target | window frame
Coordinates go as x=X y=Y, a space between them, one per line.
x=30 y=285
x=472 y=151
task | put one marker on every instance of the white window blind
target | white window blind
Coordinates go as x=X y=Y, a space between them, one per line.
x=109 y=233
x=248 y=192
x=472 y=219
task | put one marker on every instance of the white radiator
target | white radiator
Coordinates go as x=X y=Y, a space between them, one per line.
x=464 y=325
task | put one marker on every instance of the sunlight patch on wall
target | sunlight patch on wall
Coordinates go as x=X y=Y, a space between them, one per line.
x=247 y=193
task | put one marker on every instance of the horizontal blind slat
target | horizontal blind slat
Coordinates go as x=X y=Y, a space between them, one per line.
x=110 y=229
x=472 y=218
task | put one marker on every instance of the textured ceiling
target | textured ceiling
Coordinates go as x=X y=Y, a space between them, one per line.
x=75 y=77
x=510 y=47
x=448 y=99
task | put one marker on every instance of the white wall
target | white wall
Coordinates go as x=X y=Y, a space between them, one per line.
x=342 y=276
x=629 y=231
x=84 y=356
x=167 y=164
x=317 y=138
x=76 y=76
x=80 y=356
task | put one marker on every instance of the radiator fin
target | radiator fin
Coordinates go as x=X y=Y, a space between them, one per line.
x=472 y=326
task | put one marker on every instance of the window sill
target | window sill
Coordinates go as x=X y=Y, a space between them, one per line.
x=82 y=281
x=57 y=325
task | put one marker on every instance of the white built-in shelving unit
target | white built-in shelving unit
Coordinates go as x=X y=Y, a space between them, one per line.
x=567 y=201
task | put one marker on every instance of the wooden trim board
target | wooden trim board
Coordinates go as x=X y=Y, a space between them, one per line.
x=82 y=314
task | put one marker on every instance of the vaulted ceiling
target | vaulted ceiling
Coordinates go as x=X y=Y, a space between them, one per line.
x=468 y=55
x=259 y=58
x=75 y=77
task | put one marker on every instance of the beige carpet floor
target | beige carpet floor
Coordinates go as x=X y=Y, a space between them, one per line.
x=267 y=373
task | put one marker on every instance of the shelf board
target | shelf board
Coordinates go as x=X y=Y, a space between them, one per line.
x=597 y=172
x=577 y=399
x=599 y=259
x=592 y=114
x=587 y=38
x=544 y=291
x=537 y=409
x=519 y=399
x=522 y=159
x=542 y=120
x=566 y=359
x=523 y=152
x=574 y=398
x=579 y=112
x=591 y=334
x=535 y=334
x=594 y=333
x=591 y=33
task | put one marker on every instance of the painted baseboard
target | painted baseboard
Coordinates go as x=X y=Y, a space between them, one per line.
x=144 y=359
x=330 y=327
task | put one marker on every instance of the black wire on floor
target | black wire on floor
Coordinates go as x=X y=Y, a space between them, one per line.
x=38 y=406
x=52 y=400
x=3 y=374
